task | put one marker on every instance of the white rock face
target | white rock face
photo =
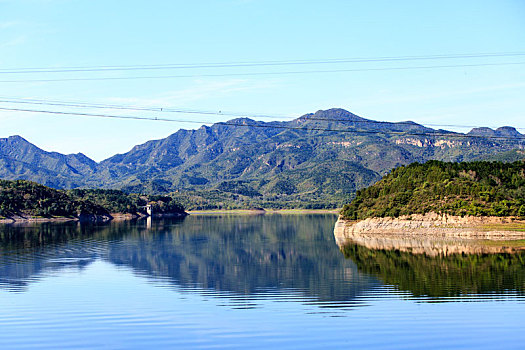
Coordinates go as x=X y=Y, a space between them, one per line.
x=430 y=234
x=431 y=224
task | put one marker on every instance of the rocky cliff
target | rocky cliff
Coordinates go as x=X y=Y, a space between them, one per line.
x=433 y=234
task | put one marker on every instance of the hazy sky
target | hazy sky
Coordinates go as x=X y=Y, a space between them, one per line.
x=67 y=33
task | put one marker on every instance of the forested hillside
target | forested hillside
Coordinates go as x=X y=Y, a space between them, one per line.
x=468 y=188
x=28 y=199
x=25 y=198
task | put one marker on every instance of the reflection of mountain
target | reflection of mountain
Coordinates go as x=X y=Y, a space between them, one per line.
x=232 y=254
x=247 y=255
x=441 y=276
x=250 y=255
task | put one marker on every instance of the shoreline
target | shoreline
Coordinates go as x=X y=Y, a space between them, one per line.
x=128 y=216
x=263 y=211
x=434 y=234
x=438 y=226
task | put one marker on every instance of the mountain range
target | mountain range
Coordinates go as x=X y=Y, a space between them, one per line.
x=318 y=159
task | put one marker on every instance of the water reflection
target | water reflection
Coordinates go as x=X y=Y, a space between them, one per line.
x=437 y=268
x=233 y=256
x=246 y=258
x=442 y=276
x=187 y=284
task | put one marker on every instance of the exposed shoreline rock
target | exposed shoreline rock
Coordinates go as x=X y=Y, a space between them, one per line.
x=431 y=234
x=436 y=225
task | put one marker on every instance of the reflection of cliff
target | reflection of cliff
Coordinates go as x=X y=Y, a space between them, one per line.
x=441 y=276
x=239 y=254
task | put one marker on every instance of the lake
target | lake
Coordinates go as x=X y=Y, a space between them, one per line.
x=247 y=281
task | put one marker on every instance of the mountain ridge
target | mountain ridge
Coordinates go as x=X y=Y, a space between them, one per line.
x=321 y=157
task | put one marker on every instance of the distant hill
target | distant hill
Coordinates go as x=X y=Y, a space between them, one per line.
x=469 y=188
x=319 y=159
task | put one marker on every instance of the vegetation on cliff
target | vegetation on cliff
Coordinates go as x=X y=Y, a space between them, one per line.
x=26 y=198
x=469 y=188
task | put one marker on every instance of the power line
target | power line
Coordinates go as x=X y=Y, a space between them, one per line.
x=263 y=73
x=272 y=126
x=135 y=108
x=203 y=112
x=254 y=63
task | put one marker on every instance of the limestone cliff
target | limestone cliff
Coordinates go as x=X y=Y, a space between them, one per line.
x=432 y=234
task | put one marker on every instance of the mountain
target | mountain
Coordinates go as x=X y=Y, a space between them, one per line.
x=21 y=160
x=504 y=131
x=320 y=158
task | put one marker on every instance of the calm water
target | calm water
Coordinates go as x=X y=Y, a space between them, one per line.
x=246 y=281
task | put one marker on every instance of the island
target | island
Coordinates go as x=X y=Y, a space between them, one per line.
x=439 y=201
x=22 y=200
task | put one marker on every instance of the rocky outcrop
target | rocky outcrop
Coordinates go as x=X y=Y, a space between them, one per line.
x=436 y=225
x=430 y=234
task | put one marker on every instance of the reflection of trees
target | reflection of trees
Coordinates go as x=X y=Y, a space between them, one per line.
x=442 y=276
x=239 y=254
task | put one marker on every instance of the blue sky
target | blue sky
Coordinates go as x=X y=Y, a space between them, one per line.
x=66 y=33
